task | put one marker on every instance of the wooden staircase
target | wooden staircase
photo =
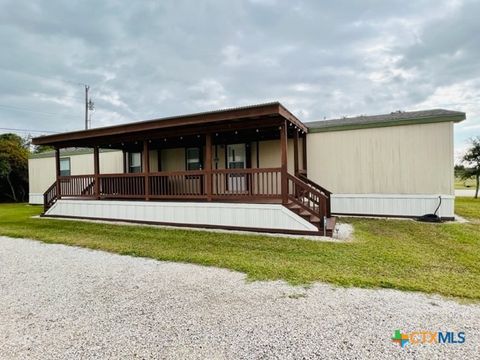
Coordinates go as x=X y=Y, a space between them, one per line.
x=49 y=197
x=312 y=202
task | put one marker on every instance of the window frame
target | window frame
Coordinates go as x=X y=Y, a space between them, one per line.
x=200 y=158
x=69 y=171
x=130 y=167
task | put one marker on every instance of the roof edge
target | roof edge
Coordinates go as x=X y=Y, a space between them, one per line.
x=377 y=124
x=50 y=139
x=51 y=154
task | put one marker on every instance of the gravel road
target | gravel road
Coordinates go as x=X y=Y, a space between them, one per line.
x=66 y=303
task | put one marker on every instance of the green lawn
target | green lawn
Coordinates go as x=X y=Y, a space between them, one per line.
x=465 y=184
x=407 y=255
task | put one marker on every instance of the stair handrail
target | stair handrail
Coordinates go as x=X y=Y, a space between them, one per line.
x=49 y=196
x=311 y=188
x=324 y=207
x=320 y=188
x=300 y=191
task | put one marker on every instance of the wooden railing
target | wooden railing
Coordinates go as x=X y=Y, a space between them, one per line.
x=310 y=199
x=77 y=185
x=50 y=196
x=252 y=185
x=126 y=186
x=320 y=189
x=177 y=185
x=241 y=183
x=225 y=184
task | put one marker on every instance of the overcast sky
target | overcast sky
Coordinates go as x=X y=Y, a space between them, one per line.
x=148 y=59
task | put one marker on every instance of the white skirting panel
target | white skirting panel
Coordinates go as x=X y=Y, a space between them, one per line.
x=261 y=216
x=392 y=204
x=35 y=199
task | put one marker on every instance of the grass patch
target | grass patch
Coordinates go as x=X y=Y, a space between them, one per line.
x=465 y=184
x=399 y=254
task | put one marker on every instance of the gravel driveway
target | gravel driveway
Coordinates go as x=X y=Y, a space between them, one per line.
x=65 y=302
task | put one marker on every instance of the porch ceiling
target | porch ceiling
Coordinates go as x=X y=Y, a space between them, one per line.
x=244 y=135
x=230 y=123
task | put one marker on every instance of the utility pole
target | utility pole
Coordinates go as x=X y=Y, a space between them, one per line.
x=86 y=106
x=89 y=106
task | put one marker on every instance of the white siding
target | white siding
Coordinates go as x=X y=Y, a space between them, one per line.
x=396 y=171
x=173 y=159
x=392 y=205
x=41 y=171
x=41 y=174
x=410 y=159
x=270 y=154
x=266 y=216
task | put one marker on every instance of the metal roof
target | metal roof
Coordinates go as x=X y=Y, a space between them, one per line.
x=66 y=152
x=392 y=119
x=200 y=120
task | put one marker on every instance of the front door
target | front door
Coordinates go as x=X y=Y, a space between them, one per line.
x=236 y=159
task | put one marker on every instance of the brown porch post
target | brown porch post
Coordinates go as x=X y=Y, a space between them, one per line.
x=146 y=168
x=96 y=170
x=304 y=153
x=283 y=145
x=124 y=158
x=208 y=166
x=295 y=152
x=57 y=171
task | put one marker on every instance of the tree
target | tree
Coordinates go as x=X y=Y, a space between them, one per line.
x=13 y=168
x=472 y=160
x=42 y=148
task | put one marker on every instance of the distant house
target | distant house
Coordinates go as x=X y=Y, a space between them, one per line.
x=252 y=168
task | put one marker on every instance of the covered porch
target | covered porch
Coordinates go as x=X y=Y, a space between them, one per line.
x=238 y=155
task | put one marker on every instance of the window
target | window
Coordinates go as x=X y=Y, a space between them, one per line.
x=236 y=156
x=135 y=162
x=193 y=158
x=65 y=167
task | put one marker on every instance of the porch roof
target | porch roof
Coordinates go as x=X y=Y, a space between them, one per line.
x=261 y=115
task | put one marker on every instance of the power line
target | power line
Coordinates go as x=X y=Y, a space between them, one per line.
x=29 y=110
x=78 y=97
x=30 y=130
x=45 y=77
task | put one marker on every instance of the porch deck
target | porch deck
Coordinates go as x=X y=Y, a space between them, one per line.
x=253 y=186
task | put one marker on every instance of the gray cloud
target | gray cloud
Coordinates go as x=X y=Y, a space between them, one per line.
x=150 y=59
